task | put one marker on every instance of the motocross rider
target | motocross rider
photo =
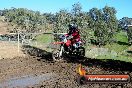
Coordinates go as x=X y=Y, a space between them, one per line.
x=74 y=34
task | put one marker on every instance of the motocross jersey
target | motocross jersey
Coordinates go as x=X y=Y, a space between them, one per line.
x=75 y=36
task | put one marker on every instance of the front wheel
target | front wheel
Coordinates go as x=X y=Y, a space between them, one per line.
x=56 y=56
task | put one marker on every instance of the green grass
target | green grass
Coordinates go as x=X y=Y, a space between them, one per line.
x=118 y=47
x=121 y=36
x=121 y=44
x=44 y=38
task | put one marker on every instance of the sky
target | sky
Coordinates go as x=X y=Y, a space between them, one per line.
x=123 y=7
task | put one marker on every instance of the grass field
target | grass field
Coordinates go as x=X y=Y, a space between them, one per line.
x=120 y=47
x=44 y=38
x=121 y=44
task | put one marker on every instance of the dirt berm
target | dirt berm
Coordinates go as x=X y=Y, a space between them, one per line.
x=37 y=70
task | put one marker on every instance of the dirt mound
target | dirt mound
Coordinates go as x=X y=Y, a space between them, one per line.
x=38 y=62
x=3 y=28
x=65 y=71
x=9 y=50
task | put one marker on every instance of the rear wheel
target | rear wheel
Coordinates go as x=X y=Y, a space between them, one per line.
x=55 y=55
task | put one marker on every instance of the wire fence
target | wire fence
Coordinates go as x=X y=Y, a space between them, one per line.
x=19 y=39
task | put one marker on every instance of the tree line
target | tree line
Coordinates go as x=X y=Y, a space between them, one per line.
x=97 y=26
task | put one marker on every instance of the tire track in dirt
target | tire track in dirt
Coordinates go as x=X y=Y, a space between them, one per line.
x=65 y=71
x=20 y=66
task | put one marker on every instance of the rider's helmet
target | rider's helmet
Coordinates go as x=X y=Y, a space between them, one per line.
x=72 y=28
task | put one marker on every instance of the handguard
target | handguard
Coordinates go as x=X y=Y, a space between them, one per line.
x=69 y=37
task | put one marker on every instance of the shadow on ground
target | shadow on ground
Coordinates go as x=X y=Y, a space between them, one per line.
x=34 y=51
x=113 y=65
x=129 y=52
x=122 y=43
x=109 y=64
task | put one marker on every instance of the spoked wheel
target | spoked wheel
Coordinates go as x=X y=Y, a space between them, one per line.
x=55 y=55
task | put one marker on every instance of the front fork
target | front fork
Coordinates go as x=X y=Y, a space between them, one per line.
x=61 y=51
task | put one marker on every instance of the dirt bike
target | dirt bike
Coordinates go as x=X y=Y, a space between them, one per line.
x=66 y=48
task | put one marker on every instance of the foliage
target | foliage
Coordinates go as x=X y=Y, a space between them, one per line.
x=104 y=24
x=62 y=21
x=124 y=22
x=26 y=20
x=98 y=25
x=123 y=25
x=129 y=34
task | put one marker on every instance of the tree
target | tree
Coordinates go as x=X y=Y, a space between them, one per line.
x=76 y=8
x=124 y=22
x=62 y=21
x=111 y=20
x=27 y=20
x=129 y=34
x=124 y=25
x=104 y=24
x=97 y=24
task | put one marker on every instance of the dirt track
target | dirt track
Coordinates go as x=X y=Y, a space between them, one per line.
x=9 y=50
x=65 y=72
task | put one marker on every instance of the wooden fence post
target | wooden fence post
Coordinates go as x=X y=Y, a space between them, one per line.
x=18 y=42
